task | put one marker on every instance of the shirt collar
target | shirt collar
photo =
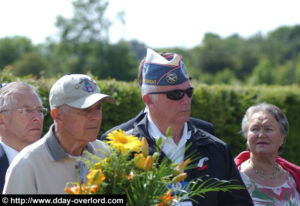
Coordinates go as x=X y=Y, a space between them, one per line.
x=10 y=152
x=55 y=150
x=155 y=132
x=174 y=152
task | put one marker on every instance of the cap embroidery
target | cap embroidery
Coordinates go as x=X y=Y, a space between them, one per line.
x=171 y=78
x=87 y=85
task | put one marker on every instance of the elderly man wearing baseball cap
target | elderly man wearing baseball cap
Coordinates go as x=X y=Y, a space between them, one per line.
x=47 y=165
x=166 y=90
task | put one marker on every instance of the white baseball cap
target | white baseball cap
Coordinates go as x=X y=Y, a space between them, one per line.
x=76 y=90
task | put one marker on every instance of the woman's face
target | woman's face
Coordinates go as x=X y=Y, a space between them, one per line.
x=264 y=135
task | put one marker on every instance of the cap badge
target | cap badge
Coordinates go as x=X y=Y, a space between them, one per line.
x=171 y=78
x=87 y=85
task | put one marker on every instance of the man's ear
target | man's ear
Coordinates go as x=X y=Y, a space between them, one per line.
x=56 y=114
x=148 y=100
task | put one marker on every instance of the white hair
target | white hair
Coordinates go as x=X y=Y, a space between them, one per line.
x=7 y=99
x=146 y=89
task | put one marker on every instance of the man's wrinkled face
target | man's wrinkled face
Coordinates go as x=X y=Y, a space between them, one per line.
x=172 y=111
x=83 y=124
x=24 y=119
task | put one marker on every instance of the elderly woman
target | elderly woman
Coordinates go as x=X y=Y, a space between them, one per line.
x=270 y=179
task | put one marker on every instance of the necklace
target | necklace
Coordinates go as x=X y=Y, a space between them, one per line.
x=261 y=173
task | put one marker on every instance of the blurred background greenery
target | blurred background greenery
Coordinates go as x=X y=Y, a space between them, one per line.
x=83 y=46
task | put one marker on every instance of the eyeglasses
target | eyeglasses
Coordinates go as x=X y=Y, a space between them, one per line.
x=176 y=94
x=29 y=111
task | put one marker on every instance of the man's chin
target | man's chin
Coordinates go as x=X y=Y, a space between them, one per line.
x=91 y=138
x=35 y=134
x=184 y=116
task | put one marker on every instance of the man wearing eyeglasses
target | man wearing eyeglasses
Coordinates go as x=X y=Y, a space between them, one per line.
x=167 y=93
x=21 y=121
x=47 y=165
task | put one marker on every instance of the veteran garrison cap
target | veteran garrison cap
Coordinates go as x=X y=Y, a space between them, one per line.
x=163 y=70
x=76 y=90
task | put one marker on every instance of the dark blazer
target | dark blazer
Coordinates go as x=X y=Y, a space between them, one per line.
x=3 y=167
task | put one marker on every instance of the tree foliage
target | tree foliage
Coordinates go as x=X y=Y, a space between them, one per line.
x=30 y=63
x=88 y=24
x=11 y=48
x=83 y=46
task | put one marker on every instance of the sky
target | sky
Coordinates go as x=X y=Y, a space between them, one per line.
x=157 y=23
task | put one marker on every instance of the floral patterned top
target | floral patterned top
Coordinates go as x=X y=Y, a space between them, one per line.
x=283 y=195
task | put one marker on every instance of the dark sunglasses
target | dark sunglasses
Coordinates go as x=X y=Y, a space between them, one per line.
x=177 y=94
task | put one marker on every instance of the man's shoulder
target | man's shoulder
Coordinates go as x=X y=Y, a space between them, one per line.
x=204 y=125
x=29 y=157
x=2 y=151
x=100 y=148
x=31 y=151
x=204 y=133
x=126 y=126
x=98 y=144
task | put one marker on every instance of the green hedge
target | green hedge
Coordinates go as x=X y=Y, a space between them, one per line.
x=224 y=106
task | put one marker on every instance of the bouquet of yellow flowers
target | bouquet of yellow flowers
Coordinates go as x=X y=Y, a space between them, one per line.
x=129 y=169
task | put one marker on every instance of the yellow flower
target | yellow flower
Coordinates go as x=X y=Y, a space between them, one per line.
x=167 y=199
x=145 y=147
x=96 y=177
x=183 y=165
x=139 y=161
x=75 y=190
x=98 y=165
x=179 y=177
x=142 y=162
x=180 y=167
x=93 y=189
x=148 y=163
x=119 y=140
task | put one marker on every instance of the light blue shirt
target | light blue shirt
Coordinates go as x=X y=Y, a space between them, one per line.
x=173 y=151
x=11 y=153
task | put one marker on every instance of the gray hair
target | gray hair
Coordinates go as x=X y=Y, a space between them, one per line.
x=7 y=93
x=278 y=115
x=146 y=89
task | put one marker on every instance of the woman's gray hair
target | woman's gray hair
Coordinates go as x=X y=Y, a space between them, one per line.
x=278 y=115
x=7 y=93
